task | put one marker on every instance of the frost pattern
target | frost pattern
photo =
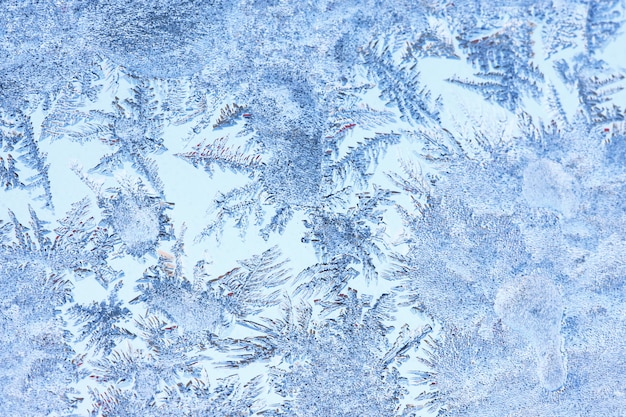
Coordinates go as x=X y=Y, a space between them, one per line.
x=274 y=208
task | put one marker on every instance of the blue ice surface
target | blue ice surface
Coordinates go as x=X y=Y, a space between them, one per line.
x=275 y=208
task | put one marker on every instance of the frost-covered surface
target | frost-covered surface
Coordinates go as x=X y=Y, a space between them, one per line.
x=323 y=208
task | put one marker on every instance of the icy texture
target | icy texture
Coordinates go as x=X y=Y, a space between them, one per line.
x=533 y=307
x=323 y=208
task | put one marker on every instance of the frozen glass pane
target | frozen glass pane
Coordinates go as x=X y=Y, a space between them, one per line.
x=320 y=208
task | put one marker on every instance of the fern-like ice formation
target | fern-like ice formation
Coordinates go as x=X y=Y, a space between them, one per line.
x=279 y=208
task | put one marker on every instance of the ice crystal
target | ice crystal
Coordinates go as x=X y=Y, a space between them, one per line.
x=347 y=359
